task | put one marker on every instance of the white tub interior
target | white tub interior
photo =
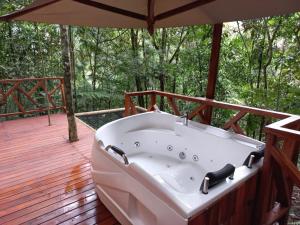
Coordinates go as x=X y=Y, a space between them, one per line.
x=153 y=142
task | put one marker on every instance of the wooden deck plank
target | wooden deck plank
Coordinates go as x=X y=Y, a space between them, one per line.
x=44 y=179
x=40 y=181
x=22 y=180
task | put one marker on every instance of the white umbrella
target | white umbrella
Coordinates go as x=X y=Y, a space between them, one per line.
x=150 y=13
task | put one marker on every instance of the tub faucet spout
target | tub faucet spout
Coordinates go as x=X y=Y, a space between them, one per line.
x=185 y=118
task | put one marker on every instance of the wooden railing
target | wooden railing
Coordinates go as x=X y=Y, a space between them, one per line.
x=200 y=110
x=279 y=173
x=31 y=95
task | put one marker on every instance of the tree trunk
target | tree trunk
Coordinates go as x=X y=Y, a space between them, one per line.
x=135 y=55
x=68 y=84
x=73 y=72
x=162 y=55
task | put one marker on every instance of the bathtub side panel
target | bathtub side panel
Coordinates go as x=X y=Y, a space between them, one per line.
x=235 y=208
x=128 y=200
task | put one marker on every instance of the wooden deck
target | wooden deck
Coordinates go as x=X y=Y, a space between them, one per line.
x=43 y=178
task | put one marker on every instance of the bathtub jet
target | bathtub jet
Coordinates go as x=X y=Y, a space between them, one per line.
x=152 y=169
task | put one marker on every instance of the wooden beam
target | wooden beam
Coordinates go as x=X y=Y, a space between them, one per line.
x=182 y=9
x=284 y=197
x=266 y=177
x=237 y=129
x=12 y=89
x=54 y=89
x=234 y=119
x=276 y=213
x=127 y=105
x=152 y=102
x=15 y=99
x=27 y=10
x=196 y=111
x=286 y=164
x=133 y=110
x=29 y=79
x=213 y=67
x=151 y=19
x=28 y=96
x=217 y=104
x=113 y=9
x=48 y=96
x=173 y=105
x=30 y=111
x=36 y=86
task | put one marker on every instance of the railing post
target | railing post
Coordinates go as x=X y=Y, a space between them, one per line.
x=47 y=100
x=264 y=190
x=152 y=102
x=126 y=105
x=278 y=175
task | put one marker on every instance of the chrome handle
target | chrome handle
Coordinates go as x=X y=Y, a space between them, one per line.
x=205 y=185
x=119 y=152
x=250 y=162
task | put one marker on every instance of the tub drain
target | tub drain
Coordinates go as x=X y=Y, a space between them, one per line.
x=182 y=155
x=170 y=148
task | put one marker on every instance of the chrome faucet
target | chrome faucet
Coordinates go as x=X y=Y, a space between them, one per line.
x=156 y=108
x=185 y=118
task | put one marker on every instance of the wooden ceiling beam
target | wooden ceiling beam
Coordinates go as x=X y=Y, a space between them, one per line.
x=182 y=9
x=151 y=19
x=113 y=9
x=26 y=11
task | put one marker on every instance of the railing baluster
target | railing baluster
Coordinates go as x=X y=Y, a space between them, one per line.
x=47 y=96
x=152 y=102
x=198 y=111
x=234 y=120
x=133 y=110
x=173 y=105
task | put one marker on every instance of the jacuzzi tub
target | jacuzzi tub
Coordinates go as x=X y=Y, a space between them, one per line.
x=148 y=168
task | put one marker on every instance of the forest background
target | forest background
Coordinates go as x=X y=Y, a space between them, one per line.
x=259 y=64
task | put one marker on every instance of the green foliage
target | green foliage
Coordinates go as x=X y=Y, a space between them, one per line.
x=259 y=65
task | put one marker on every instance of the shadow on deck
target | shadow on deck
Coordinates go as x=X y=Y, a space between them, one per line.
x=45 y=179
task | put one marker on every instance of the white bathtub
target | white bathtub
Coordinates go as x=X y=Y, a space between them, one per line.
x=158 y=186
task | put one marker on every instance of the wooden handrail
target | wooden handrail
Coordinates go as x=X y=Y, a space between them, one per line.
x=214 y=103
x=281 y=129
x=15 y=87
x=30 y=79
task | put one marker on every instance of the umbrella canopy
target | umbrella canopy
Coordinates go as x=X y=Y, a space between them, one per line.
x=150 y=13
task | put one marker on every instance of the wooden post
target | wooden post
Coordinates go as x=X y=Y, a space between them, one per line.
x=48 y=102
x=152 y=102
x=126 y=104
x=213 y=68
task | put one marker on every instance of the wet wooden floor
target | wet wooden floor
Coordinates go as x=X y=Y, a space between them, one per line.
x=43 y=178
